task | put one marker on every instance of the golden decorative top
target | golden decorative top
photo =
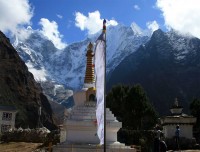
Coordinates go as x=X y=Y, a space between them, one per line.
x=90 y=46
x=89 y=73
x=92 y=89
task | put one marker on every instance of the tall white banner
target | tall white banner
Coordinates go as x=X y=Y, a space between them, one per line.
x=100 y=80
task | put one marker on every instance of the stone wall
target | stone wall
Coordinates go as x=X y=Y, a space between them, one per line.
x=39 y=135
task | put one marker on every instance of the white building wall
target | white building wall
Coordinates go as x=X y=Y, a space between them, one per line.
x=79 y=98
x=7 y=122
x=82 y=136
x=185 y=131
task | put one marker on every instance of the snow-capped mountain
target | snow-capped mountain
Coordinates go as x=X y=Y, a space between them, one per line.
x=167 y=66
x=67 y=67
x=121 y=42
x=182 y=44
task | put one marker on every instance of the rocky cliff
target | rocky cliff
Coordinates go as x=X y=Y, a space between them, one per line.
x=18 y=88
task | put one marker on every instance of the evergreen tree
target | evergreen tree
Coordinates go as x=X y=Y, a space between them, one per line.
x=115 y=100
x=131 y=106
x=195 y=111
x=140 y=113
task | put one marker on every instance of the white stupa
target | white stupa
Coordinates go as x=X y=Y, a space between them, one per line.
x=79 y=131
x=177 y=117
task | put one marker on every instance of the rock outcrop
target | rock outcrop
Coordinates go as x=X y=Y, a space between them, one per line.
x=18 y=88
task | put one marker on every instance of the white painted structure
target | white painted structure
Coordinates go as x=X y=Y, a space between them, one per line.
x=78 y=133
x=82 y=127
x=184 y=121
x=7 y=118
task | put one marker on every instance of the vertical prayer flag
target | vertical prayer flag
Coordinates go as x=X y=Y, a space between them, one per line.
x=100 y=83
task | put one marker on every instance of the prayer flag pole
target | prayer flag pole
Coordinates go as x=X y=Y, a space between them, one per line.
x=104 y=30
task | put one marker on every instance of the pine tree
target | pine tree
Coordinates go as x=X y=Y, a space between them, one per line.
x=131 y=106
x=195 y=111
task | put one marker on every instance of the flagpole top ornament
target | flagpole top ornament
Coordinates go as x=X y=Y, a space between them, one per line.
x=104 y=25
x=90 y=46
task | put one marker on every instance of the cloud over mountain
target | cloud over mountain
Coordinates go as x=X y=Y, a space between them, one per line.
x=92 y=23
x=50 y=30
x=181 y=15
x=15 y=15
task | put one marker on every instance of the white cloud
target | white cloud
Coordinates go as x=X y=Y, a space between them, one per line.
x=92 y=23
x=183 y=16
x=152 y=25
x=15 y=15
x=59 y=16
x=136 y=7
x=24 y=33
x=50 y=30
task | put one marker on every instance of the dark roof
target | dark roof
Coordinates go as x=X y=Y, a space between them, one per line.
x=7 y=108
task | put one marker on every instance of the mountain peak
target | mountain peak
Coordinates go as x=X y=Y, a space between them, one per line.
x=158 y=33
x=136 y=29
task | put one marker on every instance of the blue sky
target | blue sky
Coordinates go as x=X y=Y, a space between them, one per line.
x=123 y=11
x=67 y=21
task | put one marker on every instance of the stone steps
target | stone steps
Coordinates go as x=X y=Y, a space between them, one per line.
x=90 y=123
x=88 y=113
x=87 y=108
x=79 y=117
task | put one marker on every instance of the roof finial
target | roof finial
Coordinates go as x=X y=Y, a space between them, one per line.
x=176 y=102
x=104 y=25
x=90 y=46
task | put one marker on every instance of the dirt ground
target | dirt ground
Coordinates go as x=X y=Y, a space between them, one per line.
x=19 y=147
x=184 y=151
x=33 y=147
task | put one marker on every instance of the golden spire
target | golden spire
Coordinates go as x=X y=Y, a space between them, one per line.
x=90 y=46
x=89 y=74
